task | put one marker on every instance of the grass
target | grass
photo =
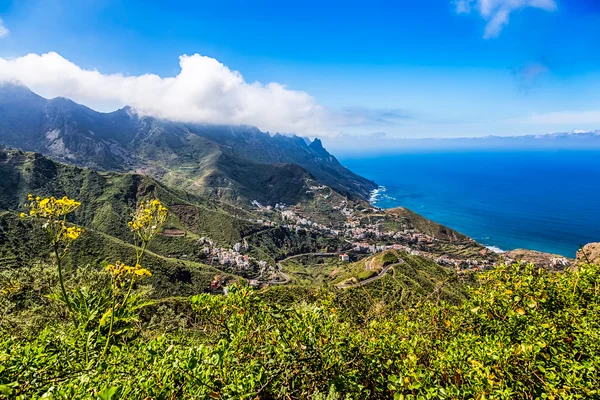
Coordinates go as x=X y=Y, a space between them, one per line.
x=279 y=243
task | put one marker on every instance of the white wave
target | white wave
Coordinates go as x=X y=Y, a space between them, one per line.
x=496 y=249
x=376 y=194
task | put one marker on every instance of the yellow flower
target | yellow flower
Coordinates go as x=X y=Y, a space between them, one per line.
x=148 y=219
x=10 y=288
x=51 y=207
x=120 y=271
x=142 y=272
x=22 y=215
x=72 y=233
x=51 y=212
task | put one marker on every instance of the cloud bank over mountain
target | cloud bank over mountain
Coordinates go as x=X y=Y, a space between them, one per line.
x=205 y=90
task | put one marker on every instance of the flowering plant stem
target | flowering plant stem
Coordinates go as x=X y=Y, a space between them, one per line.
x=139 y=253
x=62 y=284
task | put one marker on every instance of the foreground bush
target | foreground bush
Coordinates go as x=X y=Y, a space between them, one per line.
x=523 y=333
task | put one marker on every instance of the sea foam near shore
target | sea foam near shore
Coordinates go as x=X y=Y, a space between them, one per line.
x=496 y=249
x=378 y=195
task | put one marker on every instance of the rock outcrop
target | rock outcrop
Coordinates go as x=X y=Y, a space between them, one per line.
x=590 y=253
x=540 y=259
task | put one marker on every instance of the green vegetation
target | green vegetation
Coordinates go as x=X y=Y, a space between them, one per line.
x=21 y=246
x=388 y=258
x=314 y=270
x=405 y=284
x=415 y=279
x=107 y=201
x=522 y=333
x=109 y=198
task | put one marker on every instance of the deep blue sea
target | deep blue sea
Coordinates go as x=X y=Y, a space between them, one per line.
x=539 y=200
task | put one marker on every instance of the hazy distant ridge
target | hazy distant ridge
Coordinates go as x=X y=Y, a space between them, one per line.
x=575 y=140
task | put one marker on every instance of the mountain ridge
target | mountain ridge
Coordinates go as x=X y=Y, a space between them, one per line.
x=236 y=163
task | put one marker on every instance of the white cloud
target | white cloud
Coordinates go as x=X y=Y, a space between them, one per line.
x=205 y=90
x=497 y=12
x=3 y=29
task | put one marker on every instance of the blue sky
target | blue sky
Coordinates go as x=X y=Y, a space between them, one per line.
x=409 y=69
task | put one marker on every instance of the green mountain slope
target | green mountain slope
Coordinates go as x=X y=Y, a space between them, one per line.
x=22 y=245
x=108 y=199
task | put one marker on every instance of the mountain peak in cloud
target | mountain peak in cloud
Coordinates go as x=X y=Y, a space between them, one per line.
x=205 y=90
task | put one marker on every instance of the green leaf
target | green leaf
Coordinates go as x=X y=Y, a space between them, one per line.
x=5 y=390
x=107 y=393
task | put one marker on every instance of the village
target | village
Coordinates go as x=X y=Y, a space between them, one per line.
x=370 y=239
x=361 y=239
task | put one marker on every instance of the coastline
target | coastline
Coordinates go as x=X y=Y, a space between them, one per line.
x=380 y=192
x=543 y=201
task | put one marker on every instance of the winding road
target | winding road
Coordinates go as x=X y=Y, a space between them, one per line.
x=374 y=278
x=286 y=277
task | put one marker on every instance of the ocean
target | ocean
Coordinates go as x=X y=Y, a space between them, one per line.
x=539 y=200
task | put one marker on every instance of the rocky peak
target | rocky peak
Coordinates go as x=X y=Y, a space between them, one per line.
x=317 y=144
x=317 y=147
